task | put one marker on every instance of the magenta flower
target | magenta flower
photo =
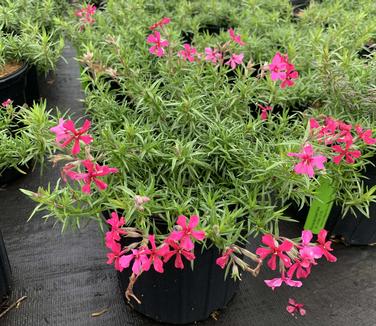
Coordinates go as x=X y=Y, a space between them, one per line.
x=236 y=59
x=325 y=246
x=313 y=124
x=158 y=48
x=61 y=132
x=155 y=254
x=178 y=251
x=276 y=250
x=366 y=136
x=187 y=232
x=115 y=256
x=277 y=282
x=6 y=103
x=188 y=53
x=74 y=135
x=212 y=55
x=278 y=67
x=86 y=14
x=294 y=307
x=116 y=224
x=264 y=111
x=140 y=261
x=308 y=250
x=93 y=172
x=291 y=74
x=308 y=161
x=223 y=260
x=349 y=156
x=161 y=23
x=235 y=38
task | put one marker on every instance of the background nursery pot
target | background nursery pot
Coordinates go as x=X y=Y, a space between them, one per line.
x=4 y=272
x=182 y=296
x=13 y=86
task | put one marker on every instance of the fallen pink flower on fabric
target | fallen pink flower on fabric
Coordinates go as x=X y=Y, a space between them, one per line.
x=308 y=162
x=140 y=261
x=264 y=111
x=178 y=251
x=158 y=48
x=235 y=38
x=223 y=260
x=93 y=172
x=294 y=307
x=187 y=232
x=275 y=250
x=6 y=103
x=161 y=23
x=188 y=53
x=236 y=59
x=212 y=55
x=75 y=136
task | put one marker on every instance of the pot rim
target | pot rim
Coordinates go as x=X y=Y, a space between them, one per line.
x=15 y=74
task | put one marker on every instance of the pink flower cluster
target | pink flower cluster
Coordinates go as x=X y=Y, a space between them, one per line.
x=342 y=138
x=179 y=243
x=294 y=258
x=66 y=133
x=6 y=103
x=86 y=14
x=282 y=69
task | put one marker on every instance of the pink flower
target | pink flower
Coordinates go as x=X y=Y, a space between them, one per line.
x=236 y=59
x=7 y=103
x=161 y=23
x=74 y=135
x=278 y=67
x=313 y=124
x=308 y=161
x=366 y=136
x=93 y=172
x=140 y=263
x=308 y=250
x=139 y=201
x=116 y=224
x=155 y=254
x=212 y=55
x=325 y=246
x=235 y=38
x=277 y=282
x=115 y=256
x=264 y=111
x=293 y=307
x=291 y=74
x=179 y=251
x=275 y=250
x=61 y=132
x=350 y=156
x=223 y=260
x=158 y=48
x=187 y=232
x=86 y=14
x=188 y=53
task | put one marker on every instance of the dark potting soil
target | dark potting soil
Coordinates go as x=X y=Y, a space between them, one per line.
x=66 y=279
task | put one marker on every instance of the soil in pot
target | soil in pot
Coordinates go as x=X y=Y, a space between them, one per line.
x=13 y=80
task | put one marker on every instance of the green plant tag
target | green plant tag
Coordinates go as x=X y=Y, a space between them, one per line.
x=321 y=206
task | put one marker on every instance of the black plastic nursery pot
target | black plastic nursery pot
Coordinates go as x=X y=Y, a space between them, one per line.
x=13 y=86
x=5 y=273
x=182 y=296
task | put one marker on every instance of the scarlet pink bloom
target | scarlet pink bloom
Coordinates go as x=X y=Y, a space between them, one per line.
x=116 y=224
x=74 y=135
x=140 y=263
x=188 y=53
x=276 y=250
x=278 y=67
x=155 y=254
x=313 y=124
x=161 y=23
x=301 y=267
x=366 y=136
x=7 y=103
x=179 y=251
x=212 y=55
x=139 y=201
x=295 y=307
x=61 y=132
x=93 y=172
x=223 y=260
x=115 y=256
x=86 y=14
x=277 y=282
x=308 y=161
x=264 y=111
x=236 y=59
x=187 y=232
x=158 y=48
x=309 y=251
x=349 y=156
x=291 y=74
x=235 y=38
x=325 y=246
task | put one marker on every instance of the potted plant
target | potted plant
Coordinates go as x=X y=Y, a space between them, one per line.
x=31 y=42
